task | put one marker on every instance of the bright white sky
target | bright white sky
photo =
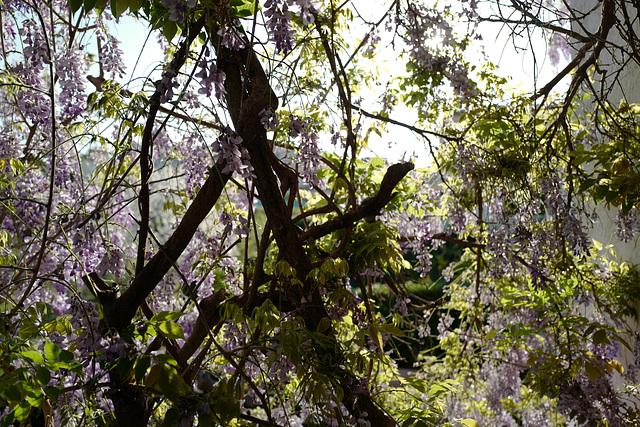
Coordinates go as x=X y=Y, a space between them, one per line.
x=399 y=143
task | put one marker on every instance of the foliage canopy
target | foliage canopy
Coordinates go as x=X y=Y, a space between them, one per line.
x=210 y=244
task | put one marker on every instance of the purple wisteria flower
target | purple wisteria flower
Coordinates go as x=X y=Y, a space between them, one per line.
x=178 y=9
x=112 y=262
x=211 y=78
x=309 y=152
x=167 y=84
x=70 y=68
x=34 y=103
x=231 y=38
x=401 y=305
x=230 y=153
x=444 y=323
x=425 y=23
x=197 y=162
x=111 y=55
x=558 y=46
x=279 y=22
x=240 y=227
x=269 y=119
x=307 y=9
x=627 y=225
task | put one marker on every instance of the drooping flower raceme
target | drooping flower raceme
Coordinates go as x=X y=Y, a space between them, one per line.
x=231 y=38
x=70 y=67
x=279 y=24
x=279 y=20
x=110 y=53
x=309 y=152
x=211 y=78
x=230 y=153
x=178 y=9
x=269 y=119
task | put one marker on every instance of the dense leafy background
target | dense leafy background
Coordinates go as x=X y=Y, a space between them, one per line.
x=210 y=244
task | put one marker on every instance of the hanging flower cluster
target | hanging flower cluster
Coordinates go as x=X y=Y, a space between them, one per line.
x=229 y=152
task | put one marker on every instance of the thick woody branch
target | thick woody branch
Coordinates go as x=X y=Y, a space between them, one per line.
x=371 y=207
x=209 y=315
x=248 y=93
x=120 y=313
x=147 y=138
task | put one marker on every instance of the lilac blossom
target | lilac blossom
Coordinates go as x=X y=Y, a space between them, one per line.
x=111 y=55
x=279 y=24
x=309 y=152
x=627 y=225
x=211 y=78
x=231 y=37
x=269 y=119
x=230 y=153
x=70 y=67
x=178 y=9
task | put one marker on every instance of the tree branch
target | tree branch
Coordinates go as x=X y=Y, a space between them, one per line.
x=371 y=207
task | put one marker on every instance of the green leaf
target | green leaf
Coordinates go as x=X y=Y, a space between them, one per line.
x=390 y=329
x=417 y=383
x=469 y=422
x=16 y=166
x=153 y=376
x=52 y=392
x=118 y=7
x=205 y=420
x=35 y=398
x=165 y=315
x=586 y=184
x=600 y=337
x=600 y=192
x=169 y=383
x=141 y=367
x=13 y=393
x=43 y=375
x=21 y=412
x=74 y=5
x=51 y=351
x=377 y=162
x=592 y=371
x=614 y=364
x=323 y=325
x=171 y=417
x=34 y=356
x=170 y=329
x=66 y=356
x=134 y=5
x=169 y=29
x=242 y=8
x=89 y=5
x=375 y=334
